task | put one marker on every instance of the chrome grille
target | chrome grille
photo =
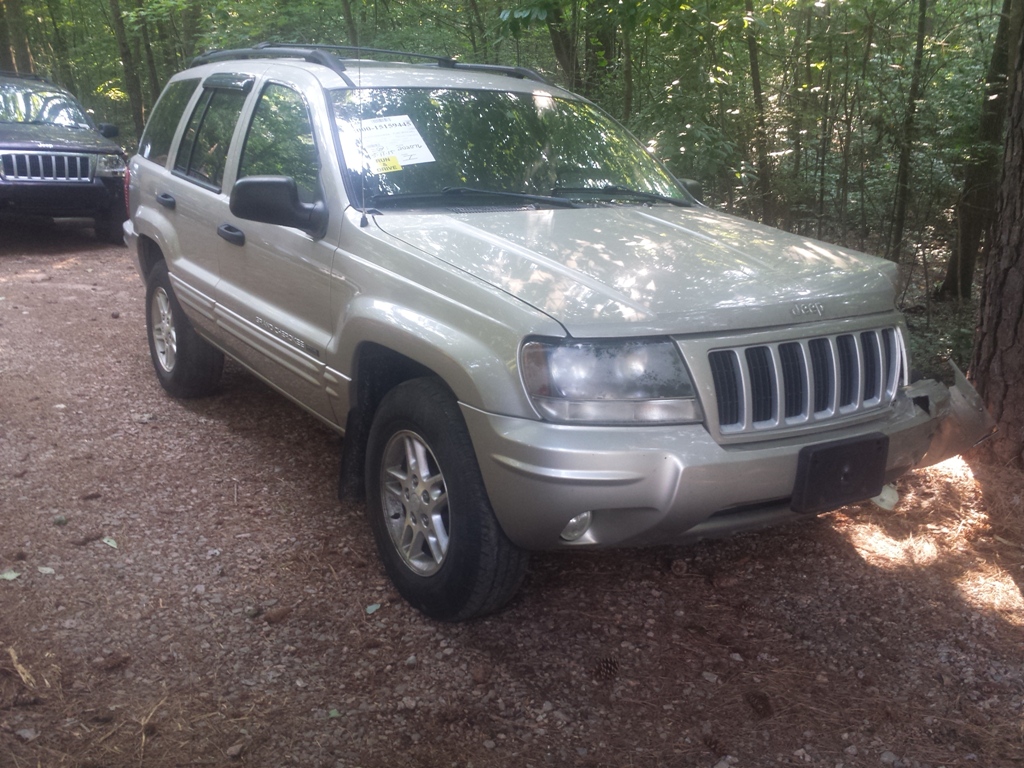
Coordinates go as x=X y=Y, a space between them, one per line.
x=775 y=386
x=46 y=166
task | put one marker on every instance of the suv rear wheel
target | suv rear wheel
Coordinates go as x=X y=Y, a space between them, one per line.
x=433 y=523
x=186 y=365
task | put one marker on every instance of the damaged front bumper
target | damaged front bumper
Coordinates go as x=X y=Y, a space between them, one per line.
x=670 y=484
x=961 y=420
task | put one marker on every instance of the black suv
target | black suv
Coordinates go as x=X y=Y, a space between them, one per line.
x=54 y=161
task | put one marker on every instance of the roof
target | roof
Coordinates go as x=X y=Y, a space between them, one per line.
x=363 y=67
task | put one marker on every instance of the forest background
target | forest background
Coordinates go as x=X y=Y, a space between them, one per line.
x=875 y=124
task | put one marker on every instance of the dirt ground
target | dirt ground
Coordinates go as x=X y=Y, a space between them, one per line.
x=180 y=587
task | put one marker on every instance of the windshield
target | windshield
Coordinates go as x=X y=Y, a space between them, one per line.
x=40 y=105
x=406 y=145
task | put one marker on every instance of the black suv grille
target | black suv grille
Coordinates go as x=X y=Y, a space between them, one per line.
x=775 y=386
x=46 y=166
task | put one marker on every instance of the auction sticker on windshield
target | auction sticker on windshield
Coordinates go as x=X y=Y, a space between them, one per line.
x=385 y=143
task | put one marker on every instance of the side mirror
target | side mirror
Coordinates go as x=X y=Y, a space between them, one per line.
x=108 y=130
x=695 y=188
x=275 y=200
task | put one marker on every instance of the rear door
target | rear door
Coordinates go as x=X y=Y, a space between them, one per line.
x=194 y=192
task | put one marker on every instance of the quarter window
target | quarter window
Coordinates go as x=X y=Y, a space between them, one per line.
x=280 y=142
x=159 y=133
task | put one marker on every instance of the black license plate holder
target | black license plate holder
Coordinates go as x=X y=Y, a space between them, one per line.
x=831 y=475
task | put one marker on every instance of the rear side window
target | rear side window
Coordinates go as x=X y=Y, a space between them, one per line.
x=164 y=119
x=203 y=153
x=280 y=142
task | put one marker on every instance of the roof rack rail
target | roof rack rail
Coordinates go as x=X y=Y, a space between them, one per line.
x=270 y=51
x=322 y=54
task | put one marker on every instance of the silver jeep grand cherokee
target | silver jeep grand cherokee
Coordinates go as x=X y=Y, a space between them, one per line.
x=531 y=335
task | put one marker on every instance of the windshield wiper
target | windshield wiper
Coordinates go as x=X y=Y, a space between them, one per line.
x=449 y=192
x=613 y=190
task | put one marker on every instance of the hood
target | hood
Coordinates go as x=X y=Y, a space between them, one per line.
x=629 y=270
x=31 y=137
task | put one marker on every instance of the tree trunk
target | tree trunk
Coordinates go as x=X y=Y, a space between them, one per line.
x=6 y=53
x=132 y=84
x=350 y=22
x=19 y=37
x=899 y=219
x=564 y=46
x=764 y=183
x=627 y=73
x=825 y=141
x=61 y=56
x=155 y=84
x=976 y=207
x=998 y=364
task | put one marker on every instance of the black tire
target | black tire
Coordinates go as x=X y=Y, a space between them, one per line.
x=186 y=365
x=433 y=523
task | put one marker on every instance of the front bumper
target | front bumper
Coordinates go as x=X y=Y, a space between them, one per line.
x=62 y=199
x=661 y=485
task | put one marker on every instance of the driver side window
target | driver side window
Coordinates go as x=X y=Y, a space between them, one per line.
x=280 y=142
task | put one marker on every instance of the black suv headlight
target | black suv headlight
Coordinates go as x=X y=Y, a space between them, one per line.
x=110 y=166
x=612 y=381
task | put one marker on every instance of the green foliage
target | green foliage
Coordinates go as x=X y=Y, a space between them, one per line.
x=835 y=75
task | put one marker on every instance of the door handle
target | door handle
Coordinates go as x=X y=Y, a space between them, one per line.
x=166 y=200
x=232 y=234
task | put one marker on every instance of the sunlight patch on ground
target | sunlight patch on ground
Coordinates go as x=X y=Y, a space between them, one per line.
x=943 y=520
x=990 y=588
x=880 y=549
x=954 y=470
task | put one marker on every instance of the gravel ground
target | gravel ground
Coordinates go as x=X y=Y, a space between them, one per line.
x=180 y=587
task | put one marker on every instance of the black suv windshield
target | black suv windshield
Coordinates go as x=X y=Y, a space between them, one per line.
x=415 y=146
x=39 y=104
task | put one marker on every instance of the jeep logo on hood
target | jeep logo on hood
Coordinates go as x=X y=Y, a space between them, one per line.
x=808 y=308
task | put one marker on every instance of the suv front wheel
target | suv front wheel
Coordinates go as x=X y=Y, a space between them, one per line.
x=186 y=365
x=433 y=523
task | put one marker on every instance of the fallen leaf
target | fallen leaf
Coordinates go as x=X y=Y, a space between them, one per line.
x=109 y=542
x=9 y=575
x=235 y=750
x=372 y=609
x=45 y=570
x=113 y=662
x=277 y=615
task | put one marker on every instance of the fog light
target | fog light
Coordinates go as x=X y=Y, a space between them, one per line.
x=577 y=526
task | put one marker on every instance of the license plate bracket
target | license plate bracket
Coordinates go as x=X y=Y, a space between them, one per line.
x=831 y=475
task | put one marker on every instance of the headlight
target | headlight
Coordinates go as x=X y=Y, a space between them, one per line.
x=110 y=166
x=634 y=381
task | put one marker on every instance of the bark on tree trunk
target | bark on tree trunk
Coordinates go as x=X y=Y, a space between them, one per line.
x=155 y=85
x=350 y=22
x=132 y=84
x=564 y=47
x=899 y=219
x=6 y=54
x=60 y=46
x=764 y=183
x=478 y=24
x=998 y=364
x=19 y=37
x=627 y=74
x=976 y=207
